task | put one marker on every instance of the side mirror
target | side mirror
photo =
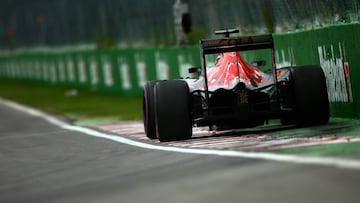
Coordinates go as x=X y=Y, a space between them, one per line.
x=258 y=63
x=195 y=72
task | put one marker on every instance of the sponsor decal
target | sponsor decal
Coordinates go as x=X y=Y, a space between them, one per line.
x=348 y=79
x=235 y=41
x=231 y=41
x=337 y=73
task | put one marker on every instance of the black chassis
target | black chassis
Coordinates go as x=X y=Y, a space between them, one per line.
x=240 y=107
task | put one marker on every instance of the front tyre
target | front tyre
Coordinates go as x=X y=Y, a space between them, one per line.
x=173 y=116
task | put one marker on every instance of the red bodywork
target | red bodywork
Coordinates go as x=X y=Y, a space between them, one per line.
x=229 y=68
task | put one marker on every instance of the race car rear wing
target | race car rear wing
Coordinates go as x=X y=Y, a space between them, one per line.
x=230 y=44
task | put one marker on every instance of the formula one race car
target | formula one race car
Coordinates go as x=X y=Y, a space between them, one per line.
x=234 y=94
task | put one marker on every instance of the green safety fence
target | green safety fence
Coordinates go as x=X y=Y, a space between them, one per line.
x=122 y=71
x=125 y=71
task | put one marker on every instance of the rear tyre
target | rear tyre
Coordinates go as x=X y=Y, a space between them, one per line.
x=173 y=118
x=310 y=98
x=149 y=109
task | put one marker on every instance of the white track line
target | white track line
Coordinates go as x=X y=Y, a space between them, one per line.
x=326 y=161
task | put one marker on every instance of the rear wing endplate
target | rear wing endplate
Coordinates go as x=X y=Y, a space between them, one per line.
x=230 y=44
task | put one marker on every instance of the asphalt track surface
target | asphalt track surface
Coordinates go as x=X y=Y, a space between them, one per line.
x=42 y=162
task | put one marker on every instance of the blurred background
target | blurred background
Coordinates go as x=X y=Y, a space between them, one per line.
x=106 y=24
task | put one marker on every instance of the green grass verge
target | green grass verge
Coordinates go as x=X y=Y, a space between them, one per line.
x=75 y=104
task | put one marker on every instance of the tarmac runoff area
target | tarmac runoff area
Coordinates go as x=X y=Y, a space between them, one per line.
x=255 y=143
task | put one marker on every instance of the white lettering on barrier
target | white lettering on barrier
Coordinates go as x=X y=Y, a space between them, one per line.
x=70 y=70
x=283 y=61
x=28 y=69
x=336 y=70
x=38 y=70
x=337 y=74
x=3 y=69
x=82 y=70
x=162 y=67
x=45 y=69
x=8 y=70
x=124 y=71
x=184 y=66
x=62 y=74
x=13 y=66
x=107 y=71
x=22 y=69
x=19 y=70
x=11 y=70
x=141 y=70
x=53 y=73
x=15 y=71
x=94 y=72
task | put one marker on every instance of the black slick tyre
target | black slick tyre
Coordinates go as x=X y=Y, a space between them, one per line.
x=310 y=98
x=173 y=116
x=149 y=109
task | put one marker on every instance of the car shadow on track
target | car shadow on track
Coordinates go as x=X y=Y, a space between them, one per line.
x=247 y=131
x=335 y=127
